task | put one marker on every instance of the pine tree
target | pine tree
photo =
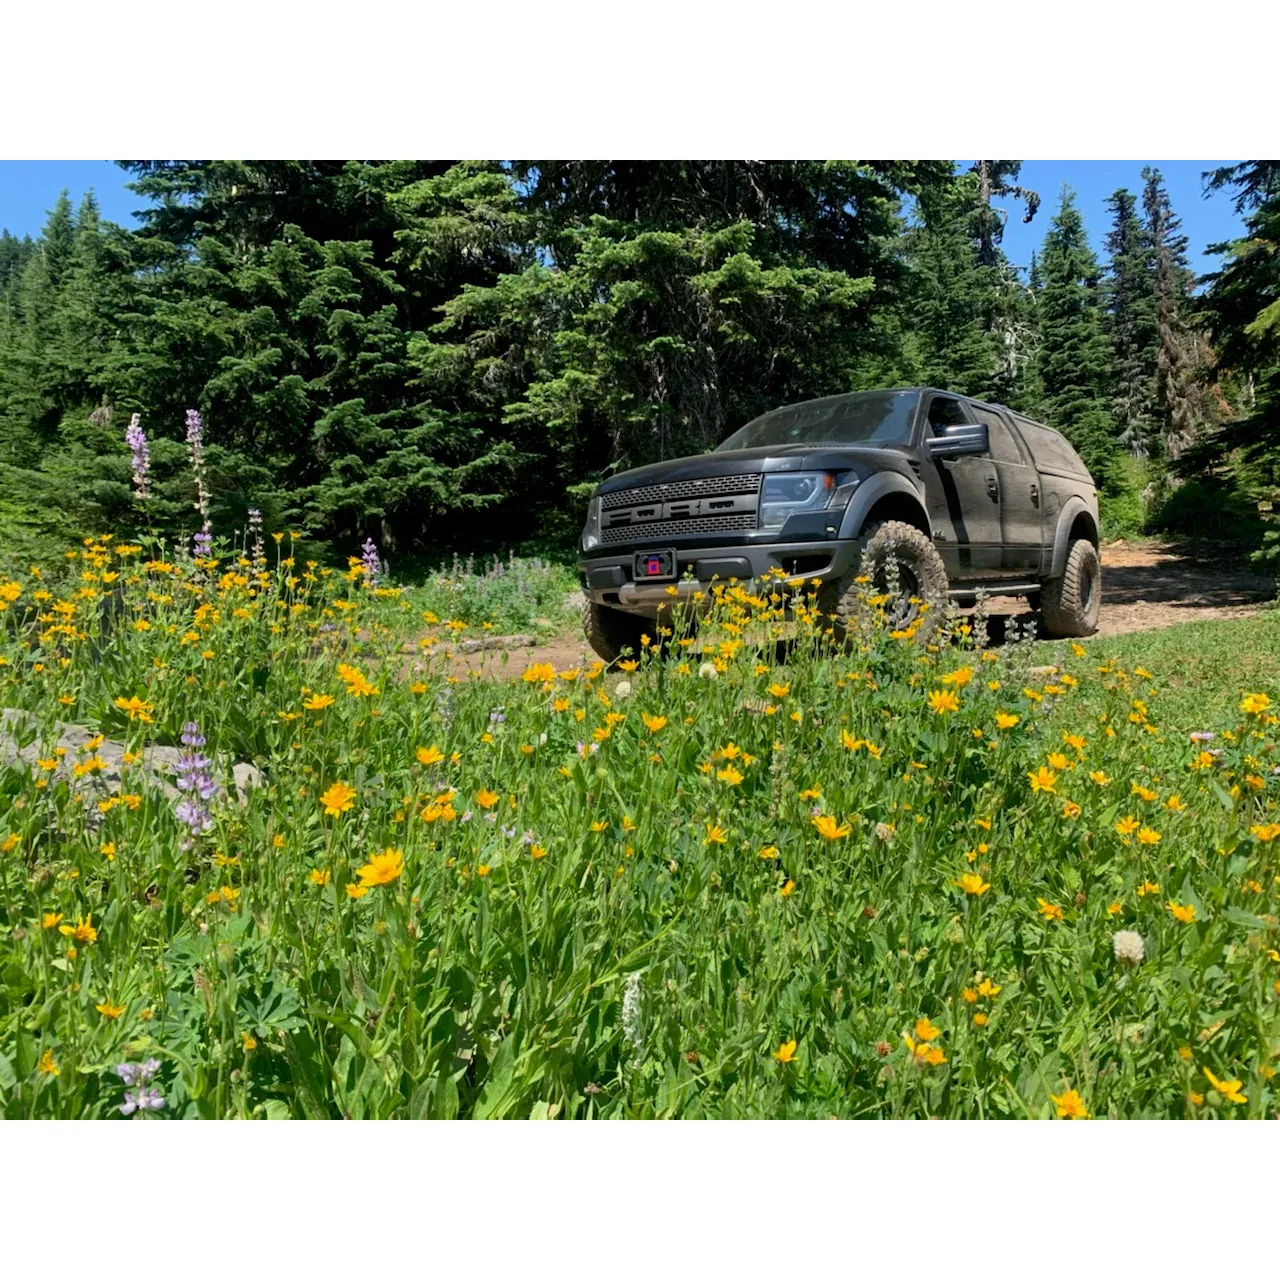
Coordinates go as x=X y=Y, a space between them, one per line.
x=957 y=349
x=1129 y=293
x=1005 y=304
x=996 y=181
x=1073 y=357
x=1243 y=309
x=667 y=303
x=1174 y=370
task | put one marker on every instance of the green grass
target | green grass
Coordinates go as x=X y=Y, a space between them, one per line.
x=1202 y=664
x=508 y=595
x=882 y=882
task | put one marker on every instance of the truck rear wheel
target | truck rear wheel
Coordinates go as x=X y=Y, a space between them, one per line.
x=1071 y=602
x=921 y=597
x=610 y=631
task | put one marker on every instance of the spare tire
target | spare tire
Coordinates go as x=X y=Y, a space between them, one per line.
x=1071 y=602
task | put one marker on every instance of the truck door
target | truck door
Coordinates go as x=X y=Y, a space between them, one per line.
x=964 y=498
x=1020 y=502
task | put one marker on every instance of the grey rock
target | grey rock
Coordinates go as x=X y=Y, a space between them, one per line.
x=519 y=641
x=21 y=739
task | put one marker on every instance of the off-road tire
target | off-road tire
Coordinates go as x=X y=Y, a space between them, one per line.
x=1070 y=603
x=916 y=556
x=610 y=631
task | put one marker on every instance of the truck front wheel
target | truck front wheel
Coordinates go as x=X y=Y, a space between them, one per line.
x=920 y=598
x=610 y=631
x=1071 y=602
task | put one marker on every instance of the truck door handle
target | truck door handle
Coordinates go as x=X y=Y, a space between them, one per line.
x=1035 y=495
x=993 y=489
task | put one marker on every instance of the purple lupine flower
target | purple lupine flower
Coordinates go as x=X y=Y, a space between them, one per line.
x=193 y=777
x=145 y=1099
x=509 y=832
x=133 y=1073
x=136 y=439
x=1203 y=735
x=498 y=715
x=255 y=528
x=372 y=564
x=195 y=451
x=202 y=543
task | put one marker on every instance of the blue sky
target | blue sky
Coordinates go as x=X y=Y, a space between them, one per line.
x=29 y=187
x=1204 y=221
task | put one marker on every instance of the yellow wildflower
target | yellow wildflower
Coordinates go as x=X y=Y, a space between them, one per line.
x=1043 y=779
x=1226 y=1089
x=942 y=701
x=338 y=799
x=830 y=828
x=785 y=1051
x=1070 y=1106
x=382 y=868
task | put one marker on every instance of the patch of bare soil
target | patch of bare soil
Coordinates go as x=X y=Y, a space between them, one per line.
x=1145 y=587
x=1151 y=585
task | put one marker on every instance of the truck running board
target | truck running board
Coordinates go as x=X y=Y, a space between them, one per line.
x=995 y=589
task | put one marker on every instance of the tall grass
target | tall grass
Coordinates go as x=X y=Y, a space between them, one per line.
x=724 y=880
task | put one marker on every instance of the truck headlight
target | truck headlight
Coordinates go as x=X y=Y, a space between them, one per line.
x=791 y=493
x=591 y=530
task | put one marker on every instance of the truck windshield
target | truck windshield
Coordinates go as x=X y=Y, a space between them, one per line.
x=866 y=417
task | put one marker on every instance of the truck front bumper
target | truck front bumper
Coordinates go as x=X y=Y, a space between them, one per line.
x=608 y=578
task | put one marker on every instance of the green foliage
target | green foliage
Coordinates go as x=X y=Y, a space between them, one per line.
x=1122 y=507
x=444 y=355
x=1073 y=357
x=1129 y=291
x=653 y=922
x=1208 y=508
x=508 y=596
x=1243 y=309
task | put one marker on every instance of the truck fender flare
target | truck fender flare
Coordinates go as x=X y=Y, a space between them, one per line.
x=1073 y=507
x=867 y=494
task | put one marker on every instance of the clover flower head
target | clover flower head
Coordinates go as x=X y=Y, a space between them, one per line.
x=1128 y=947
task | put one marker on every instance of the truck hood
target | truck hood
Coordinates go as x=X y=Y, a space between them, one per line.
x=784 y=457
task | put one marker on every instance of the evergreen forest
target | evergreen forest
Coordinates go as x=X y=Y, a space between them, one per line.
x=446 y=356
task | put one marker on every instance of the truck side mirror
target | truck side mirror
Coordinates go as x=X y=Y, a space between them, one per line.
x=958 y=440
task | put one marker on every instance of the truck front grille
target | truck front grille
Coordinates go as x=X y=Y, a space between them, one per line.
x=659 y=530
x=709 y=486
x=714 y=504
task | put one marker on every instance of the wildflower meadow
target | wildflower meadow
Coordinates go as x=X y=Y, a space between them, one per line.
x=295 y=865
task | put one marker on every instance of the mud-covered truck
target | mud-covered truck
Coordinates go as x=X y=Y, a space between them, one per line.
x=964 y=496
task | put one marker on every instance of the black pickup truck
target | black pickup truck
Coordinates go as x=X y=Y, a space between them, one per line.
x=964 y=496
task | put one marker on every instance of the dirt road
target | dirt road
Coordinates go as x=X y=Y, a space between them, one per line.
x=1144 y=587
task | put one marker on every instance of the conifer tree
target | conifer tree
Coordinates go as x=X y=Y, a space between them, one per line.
x=1174 y=371
x=1243 y=309
x=1073 y=357
x=1129 y=294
